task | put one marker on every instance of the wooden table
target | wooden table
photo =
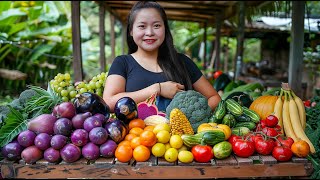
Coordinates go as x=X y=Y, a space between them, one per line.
x=159 y=168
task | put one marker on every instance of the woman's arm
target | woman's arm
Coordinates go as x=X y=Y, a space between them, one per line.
x=204 y=87
x=115 y=89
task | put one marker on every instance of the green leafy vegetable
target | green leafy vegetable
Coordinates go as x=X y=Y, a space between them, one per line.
x=16 y=122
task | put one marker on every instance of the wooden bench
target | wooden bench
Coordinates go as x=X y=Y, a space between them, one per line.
x=159 y=168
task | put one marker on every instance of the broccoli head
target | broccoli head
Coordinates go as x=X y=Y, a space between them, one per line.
x=194 y=105
x=26 y=95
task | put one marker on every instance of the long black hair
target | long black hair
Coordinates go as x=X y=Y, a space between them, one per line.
x=173 y=67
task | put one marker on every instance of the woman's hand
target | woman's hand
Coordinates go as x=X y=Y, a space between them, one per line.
x=170 y=88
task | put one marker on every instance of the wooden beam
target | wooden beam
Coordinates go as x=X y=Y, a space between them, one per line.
x=124 y=37
x=205 y=46
x=102 y=35
x=240 y=39
x=296 y=47
x=76 y=41
x=217 y=42
x=112 y=38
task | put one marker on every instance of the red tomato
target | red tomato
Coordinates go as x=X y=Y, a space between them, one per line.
x=282 y=153
x=284 y=141
x=271 y=120
x=202 y=153
x=217 y=74
x=307 y=103
x=243 y=148
x=256 y=137
x=277 y=128
x=233 y=137
x=270 y=131
x=260 y=125
x=264 y=146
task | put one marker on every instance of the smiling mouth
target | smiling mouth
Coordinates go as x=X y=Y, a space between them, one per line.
x=149 y=41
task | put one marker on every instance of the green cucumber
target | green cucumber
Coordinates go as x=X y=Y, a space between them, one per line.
x=208 y=137
x=252 y=114
x=229 y=120
x=240 y=131
x=243 y=118
x=213 y=119
x=220 y=111
x=234 y=107
x=250 y=125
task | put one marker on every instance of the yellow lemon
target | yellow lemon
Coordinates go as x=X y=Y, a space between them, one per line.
x=167 y=145
x=162 y=126
x=158 y=149
x=171 y=155
x=176 y=141
x=183 y=148
x=163 y=136
x=185 y=156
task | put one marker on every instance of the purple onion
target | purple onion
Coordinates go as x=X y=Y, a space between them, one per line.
x=78 y=119
x=108 y=148
x=91 y=122
x=63 y=126
x=58 y=141
x=90 y=151
x=98 y=135
x=26 y=138
x=70 y=153
x=52 y=155
x=79 y=137
x=12 y=151
x=42 y=141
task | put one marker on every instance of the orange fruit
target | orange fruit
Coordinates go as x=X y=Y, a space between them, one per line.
x=137 y=123
x=135 y=142
x=124 y=142
x=148 y=138
x=300 y=148
x=141 y=153
x=136 y=130
x=149 y=128
x=124 y=153
x=129 y=137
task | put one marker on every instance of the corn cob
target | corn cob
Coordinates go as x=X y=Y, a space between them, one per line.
x=179 y=123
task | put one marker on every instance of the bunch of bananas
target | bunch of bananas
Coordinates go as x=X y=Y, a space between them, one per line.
x=290 y=111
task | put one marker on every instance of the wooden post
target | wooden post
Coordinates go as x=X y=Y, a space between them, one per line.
x=124 y=37
x=112 y=38
x=296 y=47
x=240 y=39
x=76 y=41
x=102 y=37
x=226 y=57
x=205 y=46
x=217 y=42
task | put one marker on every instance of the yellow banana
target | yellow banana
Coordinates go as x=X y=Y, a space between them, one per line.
x=277 y=110
x=296 y=124
x=301 y=109
x=287 y=127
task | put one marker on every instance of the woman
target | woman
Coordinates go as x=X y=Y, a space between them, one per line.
x=152 y=64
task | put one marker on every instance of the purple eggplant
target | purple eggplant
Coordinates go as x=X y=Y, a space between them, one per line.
x=126 y=109
x=90 y=102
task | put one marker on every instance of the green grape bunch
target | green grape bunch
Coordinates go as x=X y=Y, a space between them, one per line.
x=63 y=85
x=95 y=85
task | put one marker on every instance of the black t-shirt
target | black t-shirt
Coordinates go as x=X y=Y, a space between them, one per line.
x=139 y=78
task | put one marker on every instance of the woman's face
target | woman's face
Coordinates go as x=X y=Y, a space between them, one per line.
x=148 y=30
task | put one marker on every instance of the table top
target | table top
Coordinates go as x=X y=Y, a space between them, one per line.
x=159 y=168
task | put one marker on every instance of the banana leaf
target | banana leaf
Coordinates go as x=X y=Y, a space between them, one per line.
x=15 y=123
x=4 y=6
x=40 y=50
